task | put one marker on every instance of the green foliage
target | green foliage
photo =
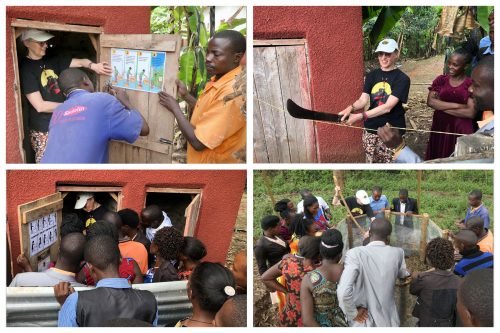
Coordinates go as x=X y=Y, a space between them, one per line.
x=443 y=192
x=386 y=20
x=482 y=16
x=189 y=22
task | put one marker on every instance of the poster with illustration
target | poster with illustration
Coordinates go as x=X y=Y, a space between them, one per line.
x=157 y=71
x=43 y=233
x=141 y=70
x=117 y=65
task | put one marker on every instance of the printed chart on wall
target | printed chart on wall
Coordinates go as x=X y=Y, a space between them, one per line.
x=138 y=69
x=43 y=233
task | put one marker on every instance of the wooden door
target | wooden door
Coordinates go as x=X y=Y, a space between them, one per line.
x=192 y=212
x=39 y=226
x=281 y=72
x=150 y=149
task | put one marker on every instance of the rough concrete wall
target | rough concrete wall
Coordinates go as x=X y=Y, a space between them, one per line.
x=222 y=192
x=113 y=20
x=335 y=45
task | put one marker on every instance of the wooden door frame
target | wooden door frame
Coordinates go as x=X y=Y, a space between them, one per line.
x=193 y=191
x=18 y=24
x=260 y=43
x=64 y=189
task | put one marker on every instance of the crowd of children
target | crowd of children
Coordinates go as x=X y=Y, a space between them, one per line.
x=301 y=262
x=120 y=250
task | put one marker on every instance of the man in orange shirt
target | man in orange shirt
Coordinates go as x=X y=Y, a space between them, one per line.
x=217 y=129
x=128 y=248
x=484 y=236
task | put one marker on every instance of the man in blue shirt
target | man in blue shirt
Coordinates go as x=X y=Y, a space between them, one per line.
x=378 y=202
x=112 y=298
x=476 y=208
x=80 y=129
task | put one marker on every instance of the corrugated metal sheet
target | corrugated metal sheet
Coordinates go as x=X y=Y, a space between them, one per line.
x=36 y=306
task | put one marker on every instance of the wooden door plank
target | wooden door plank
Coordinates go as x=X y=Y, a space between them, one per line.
x=305 y=90
x=259 y=141
x=153 y=42
x=20 y=23
x=191 y=214
x=289 y=88
x=268 y=87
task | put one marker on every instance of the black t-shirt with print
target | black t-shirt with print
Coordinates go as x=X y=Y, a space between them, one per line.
x=357 y=209
x=380 y=85
x=41 y=75
x=93 y=216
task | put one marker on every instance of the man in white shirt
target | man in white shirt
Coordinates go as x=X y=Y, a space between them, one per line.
x=153 y=219
x=322 y=204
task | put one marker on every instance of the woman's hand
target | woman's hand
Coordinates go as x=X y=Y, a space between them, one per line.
x=101 y=68
x=345 y=113
x=354 y=118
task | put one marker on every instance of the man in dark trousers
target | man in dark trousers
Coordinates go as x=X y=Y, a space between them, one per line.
x=112 y=298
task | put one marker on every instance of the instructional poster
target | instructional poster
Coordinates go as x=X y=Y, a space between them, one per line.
x=138 y=69
x=43 y=233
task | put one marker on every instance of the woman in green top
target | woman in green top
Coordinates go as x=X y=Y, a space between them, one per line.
x=318 y=293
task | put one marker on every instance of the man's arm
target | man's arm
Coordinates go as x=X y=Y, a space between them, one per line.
x=67 y=314
x=184 y=93
x=392 y=139
x=345 y=289
x=186 y=128
x=122 y=96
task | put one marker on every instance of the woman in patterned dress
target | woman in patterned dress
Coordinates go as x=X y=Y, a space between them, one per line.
x=318 y=294
x=293 y=268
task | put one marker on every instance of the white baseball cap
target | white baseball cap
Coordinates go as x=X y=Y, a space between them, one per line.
x=362 y=196
x=387 y=45
x=81 y=199
x=36 y=35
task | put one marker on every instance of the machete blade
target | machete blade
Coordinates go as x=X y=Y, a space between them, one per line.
x=299 y=112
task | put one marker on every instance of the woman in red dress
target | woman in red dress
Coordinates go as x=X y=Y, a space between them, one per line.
x=293 y=267
x=454 y=108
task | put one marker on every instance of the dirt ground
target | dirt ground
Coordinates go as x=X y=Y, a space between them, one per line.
x=419 y=115
x=239 y=241
x=266 y=314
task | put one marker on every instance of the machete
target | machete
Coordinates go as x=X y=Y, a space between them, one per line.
x=299 y=112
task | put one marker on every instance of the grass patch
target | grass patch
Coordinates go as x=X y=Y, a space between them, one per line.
x=443 y=192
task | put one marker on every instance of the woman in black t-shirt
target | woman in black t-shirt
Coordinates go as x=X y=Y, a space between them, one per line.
x=386 y=89
x=39 y=84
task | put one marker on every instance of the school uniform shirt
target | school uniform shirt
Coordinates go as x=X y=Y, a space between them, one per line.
x=437 y=298
x=151 y=232
x=219 y=125
x=368 y=280
x=269 y=251
x=48 y=278
x=472 y=260
x=357 y=209
x=480 y=211
x=41 y=75
x=486 y=243
x=81 y=128
x=380 y=85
